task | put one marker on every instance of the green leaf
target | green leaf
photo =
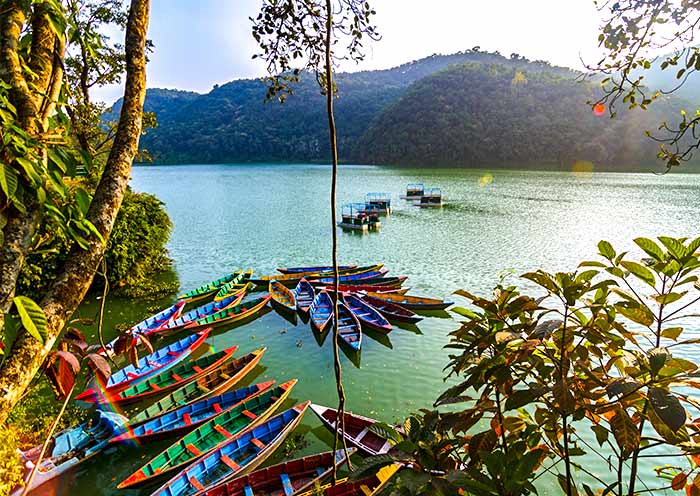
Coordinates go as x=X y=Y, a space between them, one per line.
x=674 y=246
x=672 y=332
x=667 y=298
x=464 y=312
x=32 y=317
x=657 y=359
x=8 y=181
x=650 y=248
x=543 y=279
x=640 y=272
x=625 y=432
x=635 y=312
x=606 y=250
x=667 y=407
x=30 y=169
x=83 y=199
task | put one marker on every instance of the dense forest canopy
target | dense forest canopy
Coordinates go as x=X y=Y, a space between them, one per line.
x=433 y=111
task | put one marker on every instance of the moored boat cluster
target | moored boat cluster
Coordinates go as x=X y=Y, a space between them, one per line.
x=223 y=436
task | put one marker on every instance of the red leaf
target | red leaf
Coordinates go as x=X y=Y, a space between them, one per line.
x=143 y=340
x=61 y=377
x=133 y=354
x=70 y=359
x=122 y=344
x=99 y=366
x=678 y=481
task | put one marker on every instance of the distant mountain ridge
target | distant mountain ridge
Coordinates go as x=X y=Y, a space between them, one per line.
x=232 y=123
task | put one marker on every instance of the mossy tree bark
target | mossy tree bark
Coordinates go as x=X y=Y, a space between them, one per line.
x=27 y=354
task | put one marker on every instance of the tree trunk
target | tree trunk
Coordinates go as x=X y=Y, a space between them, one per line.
x=27 y=354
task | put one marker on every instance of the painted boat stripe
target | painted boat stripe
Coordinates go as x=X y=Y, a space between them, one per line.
x=230 y=463
x=197 y=485
x=193 y=449
x=257 y=442
x=222 y=431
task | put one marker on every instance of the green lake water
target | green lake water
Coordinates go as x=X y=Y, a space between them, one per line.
x=265 y=216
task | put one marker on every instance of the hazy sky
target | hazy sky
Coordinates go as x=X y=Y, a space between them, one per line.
x=199 y=43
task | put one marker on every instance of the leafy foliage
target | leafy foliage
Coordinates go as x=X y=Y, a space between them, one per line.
x=601 y=350
x=633 y=34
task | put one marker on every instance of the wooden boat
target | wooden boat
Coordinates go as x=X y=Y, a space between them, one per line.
x=187 y=320
x=318 y=268
x=211 y=434
x=321 y=311
x=216 y=381
x=148 y=366
x=209 y=288
x=284 y=479
x=70 y=448
x=356 y=432
x=182 y=420
x=169 y=380
x=291 y=280
x=413 y=302
x=384 y=282
x=237 y=455
x=367 y=314
x=148 y=326
x=366 y=487
x=349 y=277
x=233 y=314
x=233 y=290
x=282 y=297
x=349 y=328
x=353 y=288
x=304 y=294
x=390 y=310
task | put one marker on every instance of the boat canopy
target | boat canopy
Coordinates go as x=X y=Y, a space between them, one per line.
x=358 y=209
x=378 y=197
x=414 y=187
x=432 y=192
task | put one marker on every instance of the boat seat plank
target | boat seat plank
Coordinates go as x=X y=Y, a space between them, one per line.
x=172 y=353
x=176 y=377
x=287 y=485
x=247 y=490
x=257 y=442
x=187 y=419
x=320 y=471
x=224 y=375
x=365 y=490
x=362 y=434
x=197 y=368
x=230 y=463
x=193 y=449
x=222 y=431
x=195 y=483
x=249 y=414
x=217 y=408
x=154 y=386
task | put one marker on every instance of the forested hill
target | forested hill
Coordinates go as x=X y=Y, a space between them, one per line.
x=463 y=111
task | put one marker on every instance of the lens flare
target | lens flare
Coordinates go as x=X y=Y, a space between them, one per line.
x=103 y=402
x=599 y=109
x=485 y=180
x=582 y=169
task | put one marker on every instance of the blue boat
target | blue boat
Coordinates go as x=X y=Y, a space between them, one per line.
x=315 y=268
x=181 y=420
x=236 y=456
x=305 y=295
x=349 y=329
x=367 y=314
x=321 y=311
x=351 y=277
x=148 y=366
x=199 y=313
x=71 y=447
x=151 y=324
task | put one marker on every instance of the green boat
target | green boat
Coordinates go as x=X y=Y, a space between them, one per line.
x=207 y=436
x=211 y=287
x=217 y=381
x=171 y=379
x=232 y=314
x=236 y=286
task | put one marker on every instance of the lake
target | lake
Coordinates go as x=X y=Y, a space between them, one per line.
x=266 y=216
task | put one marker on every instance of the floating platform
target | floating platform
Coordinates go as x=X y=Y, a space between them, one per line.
x=381 y=202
